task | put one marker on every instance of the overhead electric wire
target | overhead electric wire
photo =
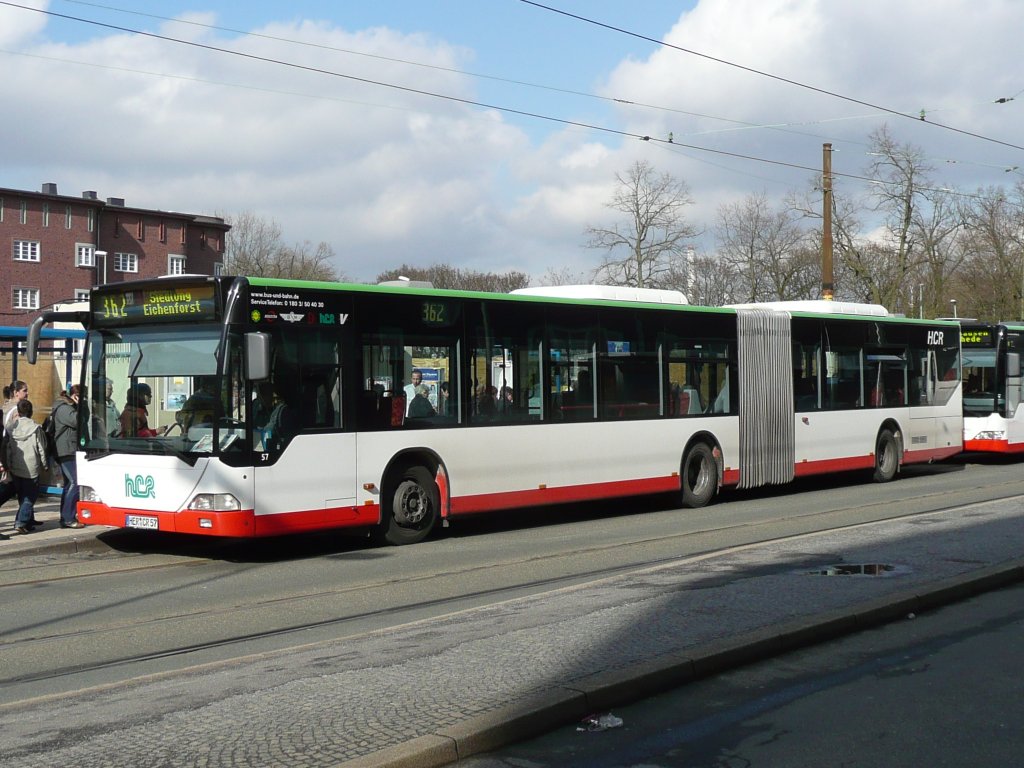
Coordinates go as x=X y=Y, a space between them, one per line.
x=780 y=78
x=739 y=125
x=456 y=99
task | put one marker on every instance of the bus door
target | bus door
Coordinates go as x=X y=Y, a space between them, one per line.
x=305 y=462
x=934 y=379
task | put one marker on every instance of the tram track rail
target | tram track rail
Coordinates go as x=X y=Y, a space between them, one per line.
x=543 y=572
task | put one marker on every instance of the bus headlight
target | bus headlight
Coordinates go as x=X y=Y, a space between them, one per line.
x=214 y=502
x=88 y=493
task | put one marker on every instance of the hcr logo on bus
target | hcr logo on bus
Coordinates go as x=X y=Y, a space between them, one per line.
x=935 y=338
x=139 y=487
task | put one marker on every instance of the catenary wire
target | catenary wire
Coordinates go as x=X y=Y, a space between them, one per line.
x=447 y=97
x=888 y=110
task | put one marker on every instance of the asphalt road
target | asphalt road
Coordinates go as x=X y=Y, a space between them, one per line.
x=420 y=639
x=941 y=689
x=163 y=603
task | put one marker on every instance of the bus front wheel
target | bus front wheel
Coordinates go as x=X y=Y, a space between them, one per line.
x=414 y=507
x=699 y=476
x=887 y=456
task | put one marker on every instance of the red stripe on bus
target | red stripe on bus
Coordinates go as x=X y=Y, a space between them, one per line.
x=932 y=454
x=486 y=502
x=243 y=523
x=825 y=466
x=993 y=446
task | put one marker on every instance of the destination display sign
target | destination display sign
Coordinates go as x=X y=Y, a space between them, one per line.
x=176 y=303
x=976 y=337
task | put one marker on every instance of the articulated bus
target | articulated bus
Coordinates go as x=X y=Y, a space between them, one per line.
x=993 y=412
x=234 y=406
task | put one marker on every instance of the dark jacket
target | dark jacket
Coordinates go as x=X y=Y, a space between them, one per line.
x=65 y=428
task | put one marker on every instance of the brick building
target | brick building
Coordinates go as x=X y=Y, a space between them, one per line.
x=59 y=246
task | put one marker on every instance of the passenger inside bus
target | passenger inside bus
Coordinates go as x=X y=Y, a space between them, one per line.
x=275 y=421
x=198 y=410
x=420 y=407
x=134 y=421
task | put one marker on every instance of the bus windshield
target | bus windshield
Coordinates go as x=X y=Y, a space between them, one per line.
x=980 y=386
x=160 y=389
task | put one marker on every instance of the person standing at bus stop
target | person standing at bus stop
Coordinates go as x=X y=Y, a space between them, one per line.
x=16 y=392
x=25 y=458
x=19 y=391
x=65 y=428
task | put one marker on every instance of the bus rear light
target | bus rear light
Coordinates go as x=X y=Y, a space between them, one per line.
x=214 y=502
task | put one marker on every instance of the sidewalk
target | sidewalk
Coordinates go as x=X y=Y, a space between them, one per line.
x=49 y=537
x=438 y=690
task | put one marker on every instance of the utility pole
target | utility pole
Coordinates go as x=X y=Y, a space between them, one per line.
x=827 y=285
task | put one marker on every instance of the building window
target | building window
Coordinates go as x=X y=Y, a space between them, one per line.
x=90 y=220
x=85 y=255
x=175 y=265
x=1 y=210
x=140 y=229
x=26 y=250
x=46 y=214
x=26 y=298
x=218 y=269
x=67 y=217
x=126 y=262
x=24 y=212
x=81 y=294
x=163 y=231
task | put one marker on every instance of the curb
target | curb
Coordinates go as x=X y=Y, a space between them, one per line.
x=563 y=705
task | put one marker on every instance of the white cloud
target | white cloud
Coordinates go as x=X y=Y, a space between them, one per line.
x=18 y=26
x=387 y=175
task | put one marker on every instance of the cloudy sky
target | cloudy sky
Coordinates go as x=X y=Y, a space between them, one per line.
x=488 y=133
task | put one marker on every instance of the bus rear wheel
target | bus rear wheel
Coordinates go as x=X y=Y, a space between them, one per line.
x=887 y=457
x=699 y=476
x=414 y=507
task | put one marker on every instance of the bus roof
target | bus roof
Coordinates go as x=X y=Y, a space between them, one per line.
x=605 y=293
x=819 y=307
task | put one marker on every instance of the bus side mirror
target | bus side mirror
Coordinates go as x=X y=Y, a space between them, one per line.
x=1013 y=365
x=34 y=330
x=257 y=356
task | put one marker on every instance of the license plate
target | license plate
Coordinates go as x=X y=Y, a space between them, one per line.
x=142 y=521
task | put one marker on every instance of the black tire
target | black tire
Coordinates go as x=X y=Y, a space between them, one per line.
x=413 y=507
x=699 y=476
x=887 y=457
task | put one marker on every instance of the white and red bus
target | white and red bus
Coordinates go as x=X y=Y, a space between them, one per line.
x=256 y=407
x=993 y=411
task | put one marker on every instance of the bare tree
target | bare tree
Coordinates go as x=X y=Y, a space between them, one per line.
x=564 y=276
x=771 y=255
x=254 y=246
x=944 y=250
x=991 y=283
x=642 y=251
x=709 y=281
x=448 y=276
